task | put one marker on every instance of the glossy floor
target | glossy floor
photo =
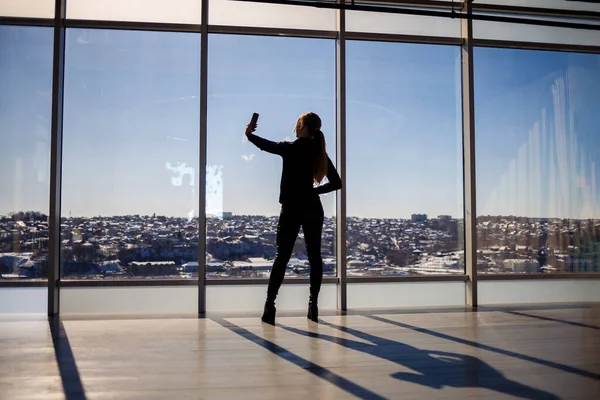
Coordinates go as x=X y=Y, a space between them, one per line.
x=530 y=353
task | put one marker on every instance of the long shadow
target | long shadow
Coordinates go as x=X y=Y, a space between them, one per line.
x=551 y=364
x=435 y=369
x=311 y=367
x=562 y=321
x=67 y=367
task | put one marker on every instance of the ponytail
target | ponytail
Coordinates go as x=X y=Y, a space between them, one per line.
x=312 y=123
x=320 y=166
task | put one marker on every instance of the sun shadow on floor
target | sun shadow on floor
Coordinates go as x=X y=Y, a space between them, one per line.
x=524 y=357
x=309 y=366
x=67 y=367
x=561 y=321
x=434 y=369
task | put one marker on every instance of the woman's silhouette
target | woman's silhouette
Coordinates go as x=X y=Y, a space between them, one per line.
x=305 y=162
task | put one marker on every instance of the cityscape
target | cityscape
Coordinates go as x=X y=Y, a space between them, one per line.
x=243 y=246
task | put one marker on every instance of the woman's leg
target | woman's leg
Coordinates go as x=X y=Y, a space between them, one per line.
x=313 y=230
x=287 y=232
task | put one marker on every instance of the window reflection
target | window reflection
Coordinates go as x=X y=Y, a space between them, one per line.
x=537 y=154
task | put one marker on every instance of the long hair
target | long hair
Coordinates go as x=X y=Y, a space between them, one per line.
x=313 y=124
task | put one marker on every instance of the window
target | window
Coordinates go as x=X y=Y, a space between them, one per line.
x=130 y=154
x=174 y=11
x=280 y=78
x=242 y=13
x=564 y=4
x=25 y=121
x=404 y=159
x=537 y=154
x=535 y=33
x=27 y=8
x=401 y=24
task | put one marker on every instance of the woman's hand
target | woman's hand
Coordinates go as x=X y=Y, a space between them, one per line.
x=250 y=129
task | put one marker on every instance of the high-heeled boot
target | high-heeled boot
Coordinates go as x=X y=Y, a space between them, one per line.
x=268 y=316
x=313 y=309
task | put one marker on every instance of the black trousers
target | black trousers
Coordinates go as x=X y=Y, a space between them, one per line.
x=309 y=216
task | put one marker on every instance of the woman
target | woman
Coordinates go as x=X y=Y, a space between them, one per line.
x=305 y=162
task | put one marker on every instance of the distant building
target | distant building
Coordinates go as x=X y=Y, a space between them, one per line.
x=520 y=265
x=418 y=217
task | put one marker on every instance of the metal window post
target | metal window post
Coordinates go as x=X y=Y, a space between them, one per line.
x=340 y=72
x=470 y=198
x=58 y=70
x=203 y=152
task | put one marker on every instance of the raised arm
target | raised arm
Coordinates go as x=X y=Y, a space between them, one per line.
x=278 y=148
x=335 y=182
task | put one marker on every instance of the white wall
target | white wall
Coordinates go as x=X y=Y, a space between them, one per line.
x=26 y=300
x=252 y=297
x=539 y=291
x=129 y=300
x=183 y=299
x=406 y=294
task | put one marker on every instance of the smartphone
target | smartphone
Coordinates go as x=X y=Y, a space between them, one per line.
x=254 y=120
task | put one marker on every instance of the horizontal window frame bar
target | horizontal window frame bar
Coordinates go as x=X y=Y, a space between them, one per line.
x=402 y=38
x=27 y=21
x=126 y=282
x=496 y=8
x=8 y=283
x=532 y=277
x=536 y=11
x=131 y=25
x=267 y=31
x=407 y=279
x=521 y=45
x=181 y=282
x=264 y=281
x=432 y=13
x=294 y=281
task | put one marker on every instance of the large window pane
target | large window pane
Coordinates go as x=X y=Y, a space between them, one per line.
x=280 y=78
x=130 y=154
x=404 y=159
x=27 y=8
x=173 y=11
x=538 y=147
x=25 y=119
x=243 y=13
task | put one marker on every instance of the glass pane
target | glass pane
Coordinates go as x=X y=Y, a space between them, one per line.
x=566 y=4
x=130 y=154
x=229 y=12
x=27 y=8
x=537 y=153
x=533 y=33
x=404 y=165
x=279 y=78
x=372 y=22
x=25 y=121
x=174 y=11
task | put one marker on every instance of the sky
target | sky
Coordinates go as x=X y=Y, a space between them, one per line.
x=131 y=124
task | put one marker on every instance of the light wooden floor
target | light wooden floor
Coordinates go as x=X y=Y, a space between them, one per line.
x=547 y=353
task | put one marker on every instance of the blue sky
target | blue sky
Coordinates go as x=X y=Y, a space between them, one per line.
x=132 y=118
